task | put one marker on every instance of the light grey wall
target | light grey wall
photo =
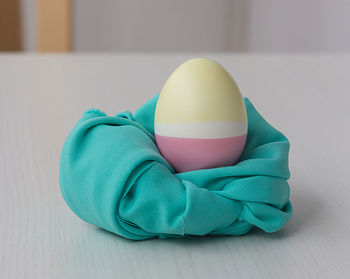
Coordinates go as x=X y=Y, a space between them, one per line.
x=28 y=24
x=299 y=25
x=155 y=25
x=204 y=25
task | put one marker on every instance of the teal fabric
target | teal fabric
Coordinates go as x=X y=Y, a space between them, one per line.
x=113 y=176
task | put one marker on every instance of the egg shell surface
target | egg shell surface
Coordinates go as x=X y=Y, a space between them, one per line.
x=200 y=118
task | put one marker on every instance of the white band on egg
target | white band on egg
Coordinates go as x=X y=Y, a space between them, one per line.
x=202 y=130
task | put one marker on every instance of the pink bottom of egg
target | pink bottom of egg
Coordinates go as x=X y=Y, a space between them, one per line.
x=186 y=154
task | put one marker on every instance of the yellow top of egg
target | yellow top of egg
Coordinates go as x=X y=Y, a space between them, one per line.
x=200 y=90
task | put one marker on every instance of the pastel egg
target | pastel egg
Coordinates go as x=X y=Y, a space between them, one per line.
x=200 y=118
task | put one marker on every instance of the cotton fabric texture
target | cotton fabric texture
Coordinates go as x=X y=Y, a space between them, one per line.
x=113 y=176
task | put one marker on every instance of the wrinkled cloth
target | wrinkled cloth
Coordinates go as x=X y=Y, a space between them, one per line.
x=113 y=176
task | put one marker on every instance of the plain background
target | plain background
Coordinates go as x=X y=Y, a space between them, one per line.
x=204 y=25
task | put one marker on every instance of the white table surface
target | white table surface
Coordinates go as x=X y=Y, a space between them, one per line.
x=307 y=97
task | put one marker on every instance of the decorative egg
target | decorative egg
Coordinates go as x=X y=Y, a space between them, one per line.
x=200 y=118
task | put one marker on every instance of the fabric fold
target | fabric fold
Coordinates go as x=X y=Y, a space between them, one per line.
x=113 y=176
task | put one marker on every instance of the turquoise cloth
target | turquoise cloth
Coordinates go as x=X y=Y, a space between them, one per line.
x=113 y=176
